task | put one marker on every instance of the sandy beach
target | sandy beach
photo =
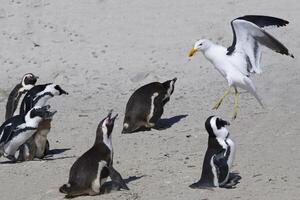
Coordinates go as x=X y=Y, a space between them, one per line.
x=100 y=51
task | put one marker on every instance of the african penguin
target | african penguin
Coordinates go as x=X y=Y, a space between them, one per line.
x=38 y=145
x=91 y=170
x=218 y=157
x=27 y=82
x=38 y=96
x=17 y=130
x=146 y=105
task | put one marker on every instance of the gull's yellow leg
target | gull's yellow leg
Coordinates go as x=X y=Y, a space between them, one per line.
x=235 y=107
x=227 y=92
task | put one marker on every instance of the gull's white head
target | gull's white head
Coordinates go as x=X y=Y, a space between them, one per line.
x=200 y=45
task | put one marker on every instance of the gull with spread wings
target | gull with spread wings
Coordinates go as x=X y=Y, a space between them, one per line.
x=237 y=62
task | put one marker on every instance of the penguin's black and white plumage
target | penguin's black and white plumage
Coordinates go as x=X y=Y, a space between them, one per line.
x=37 y=147
x=28 y=81
x=38 y=96
x=146 y=105
x=91 y=170
x=219 y=156
x=17 y=130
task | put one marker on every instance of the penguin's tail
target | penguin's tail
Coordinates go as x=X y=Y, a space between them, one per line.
x=72 y=191
x=128 y=128
x=66 y=188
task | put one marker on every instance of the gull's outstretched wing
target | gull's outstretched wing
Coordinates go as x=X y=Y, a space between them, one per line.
x=249 y=36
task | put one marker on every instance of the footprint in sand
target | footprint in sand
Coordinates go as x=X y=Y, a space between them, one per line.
x=140 y=76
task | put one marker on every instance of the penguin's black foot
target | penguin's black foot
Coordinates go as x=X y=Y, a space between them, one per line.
x=199 y=185
x=233 y=180
x=11 y=158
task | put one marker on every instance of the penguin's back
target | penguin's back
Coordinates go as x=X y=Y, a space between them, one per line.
x=140 y=101
x=7 y=128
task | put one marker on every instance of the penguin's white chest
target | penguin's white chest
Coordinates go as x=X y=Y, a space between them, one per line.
x=42 y=101
x=152 y=106
x=98 y=182
x=17 y=111
x=13 y=145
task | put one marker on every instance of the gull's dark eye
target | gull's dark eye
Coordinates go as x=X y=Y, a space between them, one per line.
x=200 y=44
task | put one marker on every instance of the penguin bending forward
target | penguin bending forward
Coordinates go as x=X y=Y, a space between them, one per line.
x=90 y=171
x=17 y=130
x=28 y=81
x=146 y=105
x=38 y=96
x=218 y=158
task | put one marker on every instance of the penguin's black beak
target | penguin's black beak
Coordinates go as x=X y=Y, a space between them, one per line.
x=60 y=90
x=174 y=79
x=111 y=120
x=109 y=114
x=221 y=123
x=226 y=123
x=63 y=92
x=46 y=107
x=49 y=114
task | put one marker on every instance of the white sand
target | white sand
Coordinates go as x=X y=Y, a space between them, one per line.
x=100 y=51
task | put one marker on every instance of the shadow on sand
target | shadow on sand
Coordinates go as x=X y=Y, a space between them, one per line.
x=168 y=122
x=162 y=124
x=48 y=157
x=57 y=151
x=109 y=186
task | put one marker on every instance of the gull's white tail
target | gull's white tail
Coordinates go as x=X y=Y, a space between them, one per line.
x=251 y=88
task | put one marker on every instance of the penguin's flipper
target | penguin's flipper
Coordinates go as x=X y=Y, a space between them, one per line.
x=7 y=133
x=27 y=104
x=222 y=168
x=12 y=102
x=117 y=178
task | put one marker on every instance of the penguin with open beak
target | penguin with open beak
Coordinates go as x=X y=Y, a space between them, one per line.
x=90 y=171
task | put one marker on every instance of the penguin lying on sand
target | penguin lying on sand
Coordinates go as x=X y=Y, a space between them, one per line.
x=146 y=105
x=38 y=96
x=91 y=170
x=17 y=130
x=218 y=158
x=28 y=81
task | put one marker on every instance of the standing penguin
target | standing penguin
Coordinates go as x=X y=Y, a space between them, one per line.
x=38 y=96
x=28 y=81
x=17 y=130
x=146 y=105
x=218 y=158
x=91 y=170
x=37 y=146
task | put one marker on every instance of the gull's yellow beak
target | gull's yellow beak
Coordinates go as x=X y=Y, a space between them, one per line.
x=192 y=52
